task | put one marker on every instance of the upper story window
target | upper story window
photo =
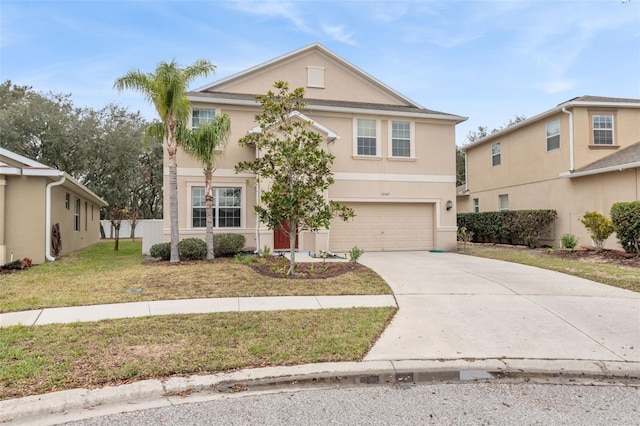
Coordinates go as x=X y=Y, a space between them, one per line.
x=401 y=139
x=200 y=116
x=504 y=202
x=602 y=127
x=476 y=205
x=226 y=207
x=553 y=135
x=496 y=159
x=67 y=201
x=76 y=215
x=366 y=137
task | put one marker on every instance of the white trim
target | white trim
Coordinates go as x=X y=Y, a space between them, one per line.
x=331 y=135
x=12 y=171
x=412 y=140
x=47 y=219
x=22 y=159
x=197 y=172
x=385 y=200
x=42 y=172
x=618 y=168
x=201 y=184
x=388 y=177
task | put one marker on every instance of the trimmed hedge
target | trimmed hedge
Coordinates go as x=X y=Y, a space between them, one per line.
x=626 y=224
x=522 y=227
x=192 y=249
x=228 y=244
x=161 y=250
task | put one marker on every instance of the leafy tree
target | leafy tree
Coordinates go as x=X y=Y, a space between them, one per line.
x=599 y=226
x=297 y=169
x=461 y=175
x=166 y=88
x=203 y=144
x=149 y=188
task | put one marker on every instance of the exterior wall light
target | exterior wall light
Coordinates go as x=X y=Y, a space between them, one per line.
x=449 y=205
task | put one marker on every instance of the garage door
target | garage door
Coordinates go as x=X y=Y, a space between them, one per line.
x=384 y=226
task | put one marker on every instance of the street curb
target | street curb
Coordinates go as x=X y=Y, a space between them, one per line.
x=154 y=393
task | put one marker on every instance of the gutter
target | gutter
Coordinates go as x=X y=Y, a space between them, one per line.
x=571 y=156
x=618 y=168
x=47 y=219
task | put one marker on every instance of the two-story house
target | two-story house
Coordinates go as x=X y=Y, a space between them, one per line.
x=583 y=155
x=394 y=159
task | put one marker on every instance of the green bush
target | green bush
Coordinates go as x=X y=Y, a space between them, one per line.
x=228 y=244
x=568 y=241
x=599 y=226
x=525 y=227
x=355 y=253
x=161 y=250
x=626 y=224
x=192 y=249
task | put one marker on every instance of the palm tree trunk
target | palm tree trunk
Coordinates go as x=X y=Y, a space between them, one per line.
x=173 y=194
x=208 y=190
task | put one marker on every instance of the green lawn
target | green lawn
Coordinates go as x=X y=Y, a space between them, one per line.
x=594 y=268
x=99 y=275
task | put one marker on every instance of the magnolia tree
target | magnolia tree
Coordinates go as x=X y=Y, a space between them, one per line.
x=296 y=168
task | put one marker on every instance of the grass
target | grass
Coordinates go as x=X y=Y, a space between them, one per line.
x=99 y=275
x=35 y=360
x=607 y=273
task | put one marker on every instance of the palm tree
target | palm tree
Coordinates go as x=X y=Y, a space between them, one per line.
x=204 y=144
x=166 y=89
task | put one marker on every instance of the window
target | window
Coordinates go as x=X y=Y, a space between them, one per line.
x=602 y=129
x=200 y=116
x=495 y=154
x=504 y=202
x=67 y=201
x=367 y=140
x=476 y=205
x=400 y=139
x=76 y=215
x=553 y=135
x=315 y=77
x=226 y=207
x=86 y=215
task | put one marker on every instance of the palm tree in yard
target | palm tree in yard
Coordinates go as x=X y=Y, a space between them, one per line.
x=204 y=144
x=166 y=89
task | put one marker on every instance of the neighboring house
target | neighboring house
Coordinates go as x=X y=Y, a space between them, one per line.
x=583 y=155
x=33 y=199
x=394 y=165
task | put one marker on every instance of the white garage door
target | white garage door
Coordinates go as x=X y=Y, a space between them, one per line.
x=384 y=226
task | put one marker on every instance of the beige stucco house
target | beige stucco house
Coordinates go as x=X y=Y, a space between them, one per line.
x=33 y=199
x=583 y=155
x=394 y=159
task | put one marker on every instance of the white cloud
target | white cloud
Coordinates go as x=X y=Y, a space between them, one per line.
x=273 y=9
x=338 y=33
x=556 y=86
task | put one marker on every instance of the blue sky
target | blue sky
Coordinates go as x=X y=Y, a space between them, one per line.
x=486 y=60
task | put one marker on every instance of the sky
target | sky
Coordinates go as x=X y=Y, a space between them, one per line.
x=486 y=60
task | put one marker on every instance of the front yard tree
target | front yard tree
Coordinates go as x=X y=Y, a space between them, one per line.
x=296 y=170
x=204 y=144
x=166 y=89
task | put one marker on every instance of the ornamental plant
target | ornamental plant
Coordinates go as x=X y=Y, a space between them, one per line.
x=599 y=226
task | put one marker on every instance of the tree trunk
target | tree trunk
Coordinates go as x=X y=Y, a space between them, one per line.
x=172 y=149
x=117 y=234
x=208 y=196
x=293 y=232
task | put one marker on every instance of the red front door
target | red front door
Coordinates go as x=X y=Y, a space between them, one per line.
x=280 y=239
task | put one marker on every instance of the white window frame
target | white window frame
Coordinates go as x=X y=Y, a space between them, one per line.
x=494 y=154
x=76 y=214
x=378 y=153
x=611 y=130
x=215 y=112
x=243 y=203
x=476 y=205
x=412 y=145
x=552 y=135
x=503 y=201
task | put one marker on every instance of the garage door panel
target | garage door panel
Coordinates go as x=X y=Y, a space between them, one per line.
x=384 y=226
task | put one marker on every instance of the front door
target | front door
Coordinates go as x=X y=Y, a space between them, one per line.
x=280 y=239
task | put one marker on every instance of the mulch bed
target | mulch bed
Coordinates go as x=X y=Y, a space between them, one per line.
x=588 y=254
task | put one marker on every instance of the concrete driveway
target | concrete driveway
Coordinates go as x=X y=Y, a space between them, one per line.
x=454 y=306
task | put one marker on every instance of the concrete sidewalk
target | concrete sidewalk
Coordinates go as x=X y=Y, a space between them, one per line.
x=189 y=306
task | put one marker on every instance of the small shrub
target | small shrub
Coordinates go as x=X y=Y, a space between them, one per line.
x=265 y=252
x=568 y=241
x=161 y=250
x=626 y=223
x=354 y=254
x=465 y=236
x=599 y=226
x=228 y=244
x=192 y=249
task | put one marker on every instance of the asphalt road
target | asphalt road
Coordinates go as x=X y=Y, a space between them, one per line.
x=438 y=404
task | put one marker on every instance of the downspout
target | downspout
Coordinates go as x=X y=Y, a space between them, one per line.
x=47 y=219
x=571 y=160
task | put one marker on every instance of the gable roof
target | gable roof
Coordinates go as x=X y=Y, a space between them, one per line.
x=13 y=164
x=581 y=101
x=626 y=158
x=213 y=92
